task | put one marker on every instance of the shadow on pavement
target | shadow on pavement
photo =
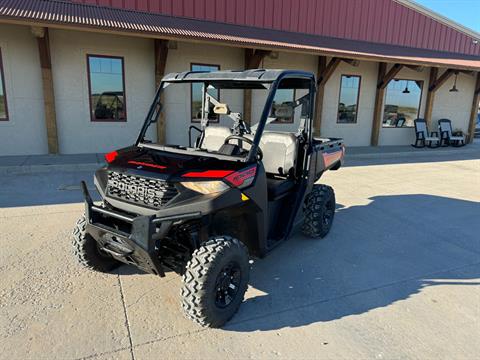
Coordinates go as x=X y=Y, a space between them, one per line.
x=54 y=188
x=375 y=255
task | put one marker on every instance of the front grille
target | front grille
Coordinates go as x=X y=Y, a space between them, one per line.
x=139 y=190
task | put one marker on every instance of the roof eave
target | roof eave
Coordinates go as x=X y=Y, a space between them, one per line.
x=252 y=43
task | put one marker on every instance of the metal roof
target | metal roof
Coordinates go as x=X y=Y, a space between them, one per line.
x=392 y=22
x=91 y=17
x=255 y=75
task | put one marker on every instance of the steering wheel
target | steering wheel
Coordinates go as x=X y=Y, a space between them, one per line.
x=248 y=141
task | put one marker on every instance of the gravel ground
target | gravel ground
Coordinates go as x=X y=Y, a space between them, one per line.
x=397 y=277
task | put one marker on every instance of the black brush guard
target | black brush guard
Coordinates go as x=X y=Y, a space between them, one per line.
x=137 y=246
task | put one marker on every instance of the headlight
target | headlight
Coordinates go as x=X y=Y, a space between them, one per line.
x=206 y=187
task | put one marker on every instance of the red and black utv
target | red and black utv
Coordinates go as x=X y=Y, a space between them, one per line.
x=235 y=192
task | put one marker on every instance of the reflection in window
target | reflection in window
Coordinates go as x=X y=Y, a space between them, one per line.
x=282 y=106
x=196 y=92
x=402 y=103
x=107 y=94
x=348 y=102
x=3 y=96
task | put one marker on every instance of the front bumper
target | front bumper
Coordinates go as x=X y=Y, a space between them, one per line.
x=136 y=240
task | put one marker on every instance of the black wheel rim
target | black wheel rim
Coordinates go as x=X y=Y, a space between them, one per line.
x=328 y=212
x=227 y=284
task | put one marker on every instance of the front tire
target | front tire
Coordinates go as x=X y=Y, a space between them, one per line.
x=86 y=250
x=319 y=211
x=215 y=281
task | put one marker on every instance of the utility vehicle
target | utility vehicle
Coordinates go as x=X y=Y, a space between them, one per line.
x=235 y=192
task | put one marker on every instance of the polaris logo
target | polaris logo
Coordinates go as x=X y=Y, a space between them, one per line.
x=134 y=190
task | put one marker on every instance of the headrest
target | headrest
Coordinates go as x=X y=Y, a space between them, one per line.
x=221 y=109
x=283 y=110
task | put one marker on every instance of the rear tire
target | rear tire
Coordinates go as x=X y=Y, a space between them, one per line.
x=319 y=211
x=215 y=281
x=86 y=250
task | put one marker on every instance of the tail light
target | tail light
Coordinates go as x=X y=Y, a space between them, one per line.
x=111 y=156
x=242 y=178
x=239 y=179
x=215 y=174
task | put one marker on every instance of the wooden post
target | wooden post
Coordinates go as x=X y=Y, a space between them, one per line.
x=324 y=72
x=47 y=83
x=378 y=109
x=161 y=53
x=317 y=120
x=247 y=93
x=474 y=111
x=253 y=58
x=430 y=97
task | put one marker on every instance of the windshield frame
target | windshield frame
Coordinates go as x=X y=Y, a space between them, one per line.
x=157 y=107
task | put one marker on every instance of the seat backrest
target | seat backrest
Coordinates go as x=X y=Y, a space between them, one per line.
x=445 y=125
x=214 y=137
x=279 y=152
x=421 y=127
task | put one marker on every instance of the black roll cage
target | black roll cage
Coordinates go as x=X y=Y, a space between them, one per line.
x=207 y=77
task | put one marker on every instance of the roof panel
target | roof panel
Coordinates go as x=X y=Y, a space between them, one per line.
x=154 y=25
x=251 y=12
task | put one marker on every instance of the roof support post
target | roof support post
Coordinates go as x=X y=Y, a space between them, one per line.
x=47 y=83
x=324 y=72
x=377 y=112
x=161 y=54
x=430 y=96
x=317 y=120
x=253 y=58
x=474 y=111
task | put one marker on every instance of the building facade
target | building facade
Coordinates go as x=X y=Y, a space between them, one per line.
x=79 y=76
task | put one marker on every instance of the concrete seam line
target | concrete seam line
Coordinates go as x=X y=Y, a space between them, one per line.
x=188 y=333
x=91 y=356
x=281 y=311
x=127 y=323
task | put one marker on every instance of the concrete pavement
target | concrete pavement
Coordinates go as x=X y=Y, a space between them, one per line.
x=397 y=277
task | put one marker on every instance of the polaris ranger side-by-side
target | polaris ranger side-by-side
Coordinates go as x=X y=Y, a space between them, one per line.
x=236 y=191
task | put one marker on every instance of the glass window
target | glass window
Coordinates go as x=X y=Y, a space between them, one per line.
x=290 y=111
x=402 y=103
x=348 y=100
x=196 y=91
x=3 y=95
x=282 y=97
x=107 y=90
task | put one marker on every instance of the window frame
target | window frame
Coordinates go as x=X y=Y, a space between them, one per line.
x=4 y=88
x=192 y=120
x=357 y=101
x=419 y=104
x=92 y=117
